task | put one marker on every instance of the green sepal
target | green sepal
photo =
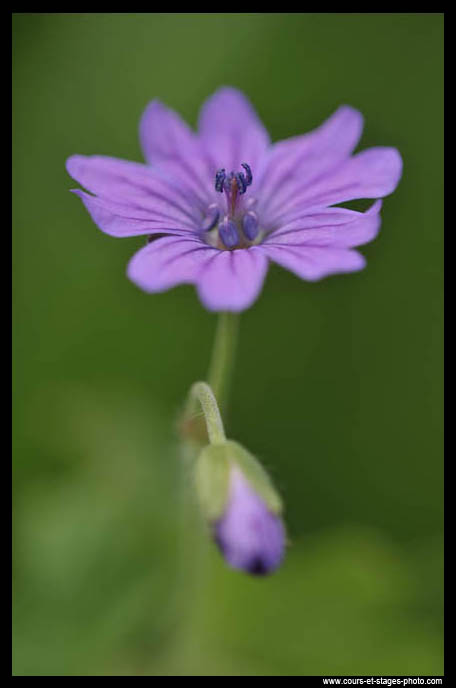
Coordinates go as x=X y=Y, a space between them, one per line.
x=256 y=475
x=212 y=475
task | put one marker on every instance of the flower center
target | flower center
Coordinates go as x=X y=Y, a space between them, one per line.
x=238 y=227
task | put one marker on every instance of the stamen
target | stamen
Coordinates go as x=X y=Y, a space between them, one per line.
x=228 y=233
x=234 y=184
x=224 y=182
x=231 y=191
x=228 y=183
x=219 y=179
x=248 y=172
x=211 y=218
x=250 y=225
x=242 y=185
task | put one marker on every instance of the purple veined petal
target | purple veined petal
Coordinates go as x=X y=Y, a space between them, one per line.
x=169 y=144
x=122 y=220
x=306 y=157
x=134 y=184
x=195 y=175
x=373 y=173
x=250 y=537
x=307 y=217
x=337 y=227
x=232 y=280
x=164 y=134
x=169 y=261
x=231 y=131
x=312 y=263
x=339 y=135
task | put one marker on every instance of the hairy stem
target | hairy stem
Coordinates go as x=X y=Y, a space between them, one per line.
x=214 y=424
x=193 y=427
x=221 y=366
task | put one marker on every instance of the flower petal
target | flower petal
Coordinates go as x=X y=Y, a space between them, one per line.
x=135 y=185
x=314 y=262
x=373 y=173
x=122 y=220
x=169 y=144
x=305 y=157
x=164 y=134
x=231 y=131
x=337 y=227
x=169 y=261
x=232 y=280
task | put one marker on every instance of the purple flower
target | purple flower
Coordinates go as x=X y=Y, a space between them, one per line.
x=249 y=535
x=225 y=201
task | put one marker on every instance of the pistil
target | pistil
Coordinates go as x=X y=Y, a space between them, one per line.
x=234 y=185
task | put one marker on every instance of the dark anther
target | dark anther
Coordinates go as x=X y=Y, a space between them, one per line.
x=241 y=183
x=219 y=179
x=223 y=182
x=248 y=173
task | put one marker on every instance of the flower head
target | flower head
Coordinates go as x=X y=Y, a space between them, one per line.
x=221 y=203
x=242 y=508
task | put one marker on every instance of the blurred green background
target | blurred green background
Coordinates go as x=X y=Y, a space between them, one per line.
x=338 y=384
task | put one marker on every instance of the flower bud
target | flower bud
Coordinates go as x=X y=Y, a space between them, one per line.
x=242 y=507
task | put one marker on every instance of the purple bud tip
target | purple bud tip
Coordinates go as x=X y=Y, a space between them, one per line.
x=250 y=537
x=211 y=219
x=219 y=179
x=228 y=233
x=250 y=225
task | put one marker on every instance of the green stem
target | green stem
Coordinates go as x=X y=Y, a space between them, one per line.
x=219 y=377
x=221 y=366
x=196 y=429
